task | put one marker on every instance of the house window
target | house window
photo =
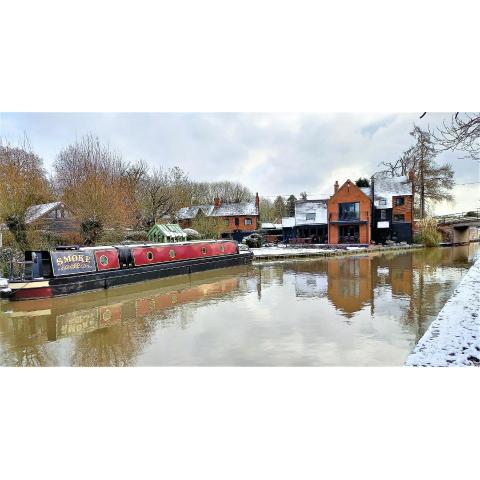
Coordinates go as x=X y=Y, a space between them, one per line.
x=383 y=214
x=382 y=201
x=310 y=216
x=226 y=221
x=248 y=221
x=399 y=201
x=237 y=221
x=349 y=211
x=399 y=217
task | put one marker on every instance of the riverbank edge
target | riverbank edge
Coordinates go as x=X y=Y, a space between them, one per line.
x=337 y=253
x=453 y=338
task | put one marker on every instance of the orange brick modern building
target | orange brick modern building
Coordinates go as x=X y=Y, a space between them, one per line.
x=349 y=214
x=361 y=215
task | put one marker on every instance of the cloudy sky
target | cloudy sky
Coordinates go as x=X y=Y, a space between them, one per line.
x=270 y=153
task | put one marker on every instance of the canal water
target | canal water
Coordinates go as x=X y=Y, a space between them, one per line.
x=351 y=311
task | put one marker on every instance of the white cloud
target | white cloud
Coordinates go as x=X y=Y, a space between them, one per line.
x=270 y=153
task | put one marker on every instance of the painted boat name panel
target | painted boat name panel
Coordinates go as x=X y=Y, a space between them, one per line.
x=69 y=262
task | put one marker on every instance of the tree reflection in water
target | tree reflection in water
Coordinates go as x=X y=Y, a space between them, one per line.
x=256 y=313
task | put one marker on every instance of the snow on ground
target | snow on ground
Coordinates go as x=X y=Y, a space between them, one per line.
x=277 y=251
x=453 y=338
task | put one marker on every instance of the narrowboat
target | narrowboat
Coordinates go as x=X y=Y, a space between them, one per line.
x=72 y=269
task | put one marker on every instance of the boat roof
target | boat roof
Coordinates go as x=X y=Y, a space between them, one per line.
x=153 y=244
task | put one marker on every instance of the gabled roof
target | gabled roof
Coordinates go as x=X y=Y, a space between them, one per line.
x=241 y=208
x=169 y=230
x=191 y=212
x=37 y=211
x=224 y=210
x=385 y=187
x=364 y=190
x=311 y=207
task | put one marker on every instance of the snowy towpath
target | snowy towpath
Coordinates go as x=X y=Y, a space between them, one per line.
x=453 y=338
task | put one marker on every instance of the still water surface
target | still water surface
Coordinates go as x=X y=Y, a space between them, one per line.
x=357 y=310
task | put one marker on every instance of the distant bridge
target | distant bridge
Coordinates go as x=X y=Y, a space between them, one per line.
x=458 y=224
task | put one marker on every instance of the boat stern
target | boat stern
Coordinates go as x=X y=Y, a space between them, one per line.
x=26 y=290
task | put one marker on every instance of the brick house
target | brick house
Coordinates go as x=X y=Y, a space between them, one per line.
x=236 y=218
x=349 y=214
x=392 y=208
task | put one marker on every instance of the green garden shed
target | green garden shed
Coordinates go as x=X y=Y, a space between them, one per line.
x=166 y=232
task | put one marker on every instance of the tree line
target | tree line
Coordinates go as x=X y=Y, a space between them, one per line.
x=102 y=189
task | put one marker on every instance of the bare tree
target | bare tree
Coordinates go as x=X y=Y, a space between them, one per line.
x=97 y=185
x=226 y=191
x=23 y=183
x=432 y=182
x=156 y=196
x=462 y=132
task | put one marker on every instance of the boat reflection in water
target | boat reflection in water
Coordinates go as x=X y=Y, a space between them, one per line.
x=112 y=325
x=355 y=310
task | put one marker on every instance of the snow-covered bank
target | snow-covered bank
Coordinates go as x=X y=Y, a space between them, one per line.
x=286 y=251
x=268 y=253
x=453 y=338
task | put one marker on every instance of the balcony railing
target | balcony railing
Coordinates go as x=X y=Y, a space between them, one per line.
x=349 y=216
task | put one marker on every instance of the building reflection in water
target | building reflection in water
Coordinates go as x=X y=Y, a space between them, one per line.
x=353 y=283
x=376 y=296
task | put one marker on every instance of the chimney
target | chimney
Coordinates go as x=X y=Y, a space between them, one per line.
x=411 y=176
x=216 y=202
x=257 y=201
x=335 y=187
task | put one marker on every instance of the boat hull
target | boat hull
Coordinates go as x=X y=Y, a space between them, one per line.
x=68 y=285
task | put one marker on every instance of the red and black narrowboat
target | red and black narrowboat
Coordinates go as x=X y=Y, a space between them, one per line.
x=72 y=269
